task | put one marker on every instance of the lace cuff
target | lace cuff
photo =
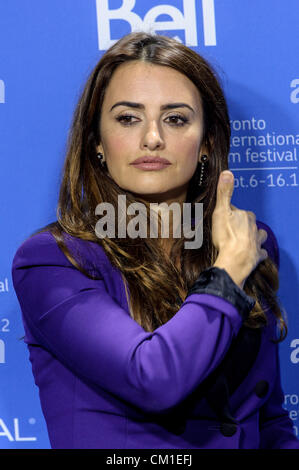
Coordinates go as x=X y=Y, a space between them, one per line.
x=217 y=281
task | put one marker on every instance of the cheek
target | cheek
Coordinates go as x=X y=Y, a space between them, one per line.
x=117 y=146
x=187 y=150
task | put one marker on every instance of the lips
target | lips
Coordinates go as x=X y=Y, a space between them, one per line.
x=151 y=160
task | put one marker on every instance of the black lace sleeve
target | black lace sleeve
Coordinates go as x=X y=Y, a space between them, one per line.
x=218 y=282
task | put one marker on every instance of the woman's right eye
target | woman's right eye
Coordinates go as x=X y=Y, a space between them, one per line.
x=126 y=119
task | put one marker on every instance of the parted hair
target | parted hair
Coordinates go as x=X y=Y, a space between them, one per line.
x=157 y=287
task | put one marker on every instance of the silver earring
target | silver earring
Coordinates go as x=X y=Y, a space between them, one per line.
x=101 y=158
x=203 y=160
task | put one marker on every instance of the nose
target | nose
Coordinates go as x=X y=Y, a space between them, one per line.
x=152 y=137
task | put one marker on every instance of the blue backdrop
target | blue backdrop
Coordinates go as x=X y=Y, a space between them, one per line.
x=47 y=50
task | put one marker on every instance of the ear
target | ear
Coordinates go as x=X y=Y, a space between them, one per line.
x=206 y=146
x=100 y=148
x=203 y=151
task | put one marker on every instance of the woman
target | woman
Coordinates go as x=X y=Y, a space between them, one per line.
x=140 y=342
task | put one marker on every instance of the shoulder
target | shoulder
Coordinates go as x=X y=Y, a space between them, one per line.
x=42 y=249
x=271 y=244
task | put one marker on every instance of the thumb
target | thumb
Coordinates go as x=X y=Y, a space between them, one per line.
x=225 y=189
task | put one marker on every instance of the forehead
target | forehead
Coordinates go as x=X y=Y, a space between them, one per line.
x=150 y=83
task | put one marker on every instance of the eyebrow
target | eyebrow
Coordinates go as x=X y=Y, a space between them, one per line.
x=131 y=104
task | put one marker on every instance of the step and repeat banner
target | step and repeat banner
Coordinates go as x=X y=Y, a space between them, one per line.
x=47 y=50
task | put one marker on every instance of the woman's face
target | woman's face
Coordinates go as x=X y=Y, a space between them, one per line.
x=153 y=111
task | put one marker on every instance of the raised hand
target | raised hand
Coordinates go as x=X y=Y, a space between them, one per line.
x=235 y=234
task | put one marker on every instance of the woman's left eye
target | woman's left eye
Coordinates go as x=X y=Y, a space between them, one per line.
x=176 y=120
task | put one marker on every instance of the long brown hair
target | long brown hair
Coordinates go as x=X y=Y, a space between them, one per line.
x=156 y=286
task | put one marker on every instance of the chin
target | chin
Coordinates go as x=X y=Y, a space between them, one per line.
x=148 y=192
x=146 y=189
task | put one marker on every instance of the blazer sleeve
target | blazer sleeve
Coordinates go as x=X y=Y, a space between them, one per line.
x=276 y=428
x=77 y=321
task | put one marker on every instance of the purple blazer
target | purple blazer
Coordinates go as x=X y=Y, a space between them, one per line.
x=200 y=381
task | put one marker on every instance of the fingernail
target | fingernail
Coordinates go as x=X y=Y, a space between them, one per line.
x=226 y=177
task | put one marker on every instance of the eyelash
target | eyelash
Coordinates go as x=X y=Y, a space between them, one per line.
x=126 y=123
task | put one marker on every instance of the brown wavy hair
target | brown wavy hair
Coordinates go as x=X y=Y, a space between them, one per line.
x=157 y=286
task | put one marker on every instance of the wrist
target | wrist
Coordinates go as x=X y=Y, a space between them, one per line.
x=218 y=282
x=234 y=272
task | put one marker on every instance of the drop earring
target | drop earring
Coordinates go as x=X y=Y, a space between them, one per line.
x=203 y=160
x=101 y=158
